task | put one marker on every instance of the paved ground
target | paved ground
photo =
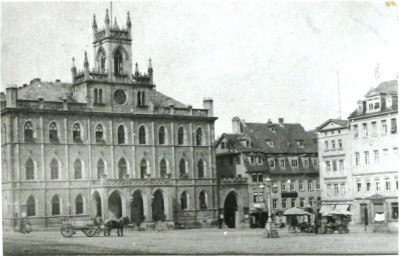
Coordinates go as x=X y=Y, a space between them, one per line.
x=201 y=241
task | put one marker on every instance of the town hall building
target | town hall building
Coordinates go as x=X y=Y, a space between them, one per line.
x=108 y=144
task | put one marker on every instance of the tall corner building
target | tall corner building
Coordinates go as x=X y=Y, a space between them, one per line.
x=108 y=144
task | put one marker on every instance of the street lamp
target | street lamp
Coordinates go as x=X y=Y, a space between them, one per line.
x=269 y=227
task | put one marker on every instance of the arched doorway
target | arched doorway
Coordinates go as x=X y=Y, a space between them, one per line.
x=137 y=212
x=230 y=210
x=97 y=204
x=115 y=206
x=157 y=206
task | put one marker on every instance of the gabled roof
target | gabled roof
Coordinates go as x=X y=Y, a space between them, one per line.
x=339 y=122
x=387 y=87
x=285 y=138
x=49 y=91
x=162 y=100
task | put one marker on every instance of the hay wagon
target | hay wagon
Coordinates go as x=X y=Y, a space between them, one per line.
x=88 y=227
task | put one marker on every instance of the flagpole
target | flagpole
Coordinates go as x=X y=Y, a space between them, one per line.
x=340 y=108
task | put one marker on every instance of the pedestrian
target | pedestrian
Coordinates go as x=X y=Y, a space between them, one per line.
x=220 y=221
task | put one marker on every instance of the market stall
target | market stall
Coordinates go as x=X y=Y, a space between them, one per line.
x=298 y=220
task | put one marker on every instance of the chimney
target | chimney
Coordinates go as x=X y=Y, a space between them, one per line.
x=208 y=104
x=269 y=121
x=35 y=80
x=24 y=85
x=11 y=96
x=281 y=121
x=58 y=80
x=236 y=125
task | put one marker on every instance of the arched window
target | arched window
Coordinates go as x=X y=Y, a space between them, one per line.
x=78 y=169
x=122 y=168
x=184 y=200
x=139 y=98
x=203 y=200
x=100 y=100
x=143 y=169
x=161 y=135
x=101 y=60
x=100 y=168
x=143 y=99
x=199 y=136
x=118 y=63
x=182 y=169
x=200 y=169
x=121 y=134
x=78 y=204
x=53 y=133
x=28 y=132
x=30 y=207
x=181 y=136
x=99 y=133
x=55 y=205
x=76 y=133
x=163 y=168
x=30 y=169
x=54 y=169
x=142 y=135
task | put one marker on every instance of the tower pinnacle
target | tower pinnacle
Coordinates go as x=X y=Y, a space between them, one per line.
x=128 y=21
x=136 y=69
x=86 y=63
x=94 y=26
x=107 y=19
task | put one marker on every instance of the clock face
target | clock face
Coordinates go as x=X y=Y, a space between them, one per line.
x=120 y=96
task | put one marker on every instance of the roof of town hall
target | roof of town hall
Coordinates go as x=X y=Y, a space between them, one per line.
x=385 y=88
x=285 y=138
x=56 y=91
x=340 y=122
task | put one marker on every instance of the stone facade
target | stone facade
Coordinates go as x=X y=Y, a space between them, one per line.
x=107 y=145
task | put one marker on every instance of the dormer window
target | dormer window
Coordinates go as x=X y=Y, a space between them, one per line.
x=259 y=160
x=222 y=145
x=247 y=143
x=376 y=106
x=300 y=143
x=370 y=106
x=272 y=129
x=295 y=162
x=270 y=143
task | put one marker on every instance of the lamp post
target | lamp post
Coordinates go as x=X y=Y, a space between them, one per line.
x=270 y=231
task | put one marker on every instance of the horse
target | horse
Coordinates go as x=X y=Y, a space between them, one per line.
x=115 y=224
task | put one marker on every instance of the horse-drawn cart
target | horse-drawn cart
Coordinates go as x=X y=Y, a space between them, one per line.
x=88 y=227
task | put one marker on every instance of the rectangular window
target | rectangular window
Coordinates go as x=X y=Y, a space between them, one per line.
x=295 y=163
x=301 y=187
x=275 y=203
x=340 y=144
x=396 y=152
x=342 y=188
x=374 y=128
x=385 y=155
x=397 y=183
x=282 y=162
x=387 y=184
x=306 y=162
x=334 y=166
x=329 y=189
x=258 y=197
x=293 y=202
x=357 y=158
x=341 y=165
x=366 y=157
x=378 y=185
x=284 y=204
x=336 y=189
x=393 y=125
x=328 y=166
x=292 y=188
x=383 y=127
x=252 y=160
x=254 y=177
x=358 y=186
x=376 y=106
x=272 y=162
x=311 y=202
x=315 y=162
x=376 y=156
x=368 y=185
x=260 y=178
x=283 y=186
x=310 y=185
x=333 y=144
x=355 y=129
x=259 y=160
x=318 y=185
x=222 y=145
x=395 y=210
x=326 y=145
x=302 y=202
x=365 y=129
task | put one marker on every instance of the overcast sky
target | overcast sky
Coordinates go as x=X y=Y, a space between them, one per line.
x=257 y=60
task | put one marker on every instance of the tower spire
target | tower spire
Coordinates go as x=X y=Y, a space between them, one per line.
x=86 y=63
x=107 y=19
x=136 y=69
x=150 y=71
x=115 y=22
x=128 y=21
x=94 y=26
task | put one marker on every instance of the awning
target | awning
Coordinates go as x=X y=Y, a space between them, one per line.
x=326 y=208
x=342 y=207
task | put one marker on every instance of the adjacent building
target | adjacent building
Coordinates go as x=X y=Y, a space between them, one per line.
x=374 y=153
x=108 y=144
x=335 y=165
x=281 y=155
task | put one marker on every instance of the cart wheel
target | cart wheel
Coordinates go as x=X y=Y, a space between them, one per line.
x=67 y=232
x=88 y=232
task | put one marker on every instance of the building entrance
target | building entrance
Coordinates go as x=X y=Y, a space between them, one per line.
x=230 y=210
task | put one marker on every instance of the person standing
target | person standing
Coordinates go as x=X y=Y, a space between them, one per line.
x=220 y=221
